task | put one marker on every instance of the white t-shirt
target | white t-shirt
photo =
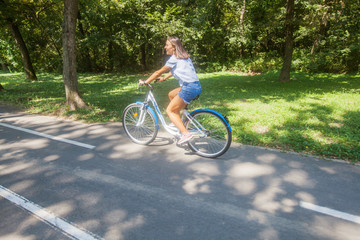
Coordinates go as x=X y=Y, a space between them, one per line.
x=182 y=69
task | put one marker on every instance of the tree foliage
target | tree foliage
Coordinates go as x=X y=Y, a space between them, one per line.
x=244 y=35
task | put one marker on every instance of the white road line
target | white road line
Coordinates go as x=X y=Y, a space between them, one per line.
x=331 y=212
x=49 y=218
x=49 y=136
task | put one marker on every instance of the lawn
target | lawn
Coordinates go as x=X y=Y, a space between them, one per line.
x=316 y=114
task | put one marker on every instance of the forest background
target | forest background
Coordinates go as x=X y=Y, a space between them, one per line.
x=240 y=35
x=315 y=111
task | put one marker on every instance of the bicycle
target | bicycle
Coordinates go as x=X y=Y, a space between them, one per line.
x=212 y=134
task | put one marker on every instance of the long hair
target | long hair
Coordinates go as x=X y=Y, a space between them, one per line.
x=180 y=51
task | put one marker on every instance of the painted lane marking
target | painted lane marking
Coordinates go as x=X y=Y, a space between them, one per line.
x=331 y=212
x=47 y=217
x=49 y=136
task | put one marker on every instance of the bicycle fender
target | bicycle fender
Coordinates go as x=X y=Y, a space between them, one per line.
x=153 y=113
x=216 y=113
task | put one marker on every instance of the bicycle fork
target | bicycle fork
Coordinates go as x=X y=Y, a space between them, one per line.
x=141 y=119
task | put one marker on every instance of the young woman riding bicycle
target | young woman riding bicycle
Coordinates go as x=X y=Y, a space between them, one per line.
x=181 y=67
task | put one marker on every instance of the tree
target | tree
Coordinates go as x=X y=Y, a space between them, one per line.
x=242 y=15
x=85 y=49
x=4 y=67
x=25 y=56
x=20 y=43
x=289 y=26
x=243 y=35
x=323 y=25
x=73 y=99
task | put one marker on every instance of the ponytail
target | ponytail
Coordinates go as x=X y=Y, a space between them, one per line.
x=180 y=51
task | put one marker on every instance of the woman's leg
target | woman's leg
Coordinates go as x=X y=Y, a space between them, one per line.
x=174 y=93
x=173 y=111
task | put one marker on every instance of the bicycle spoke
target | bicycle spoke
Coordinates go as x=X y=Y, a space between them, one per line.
x=140 y=132
x=211 y=134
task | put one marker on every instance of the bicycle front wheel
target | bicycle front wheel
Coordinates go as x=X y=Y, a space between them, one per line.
x=212 y=135
x=139 y=124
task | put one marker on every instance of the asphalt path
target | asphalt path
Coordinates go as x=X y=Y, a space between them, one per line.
x=62 y=179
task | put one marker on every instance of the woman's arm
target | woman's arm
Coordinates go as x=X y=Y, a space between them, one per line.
x=169 y=75
x=157 y=74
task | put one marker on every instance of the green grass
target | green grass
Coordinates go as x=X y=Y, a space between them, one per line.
x=316 y=114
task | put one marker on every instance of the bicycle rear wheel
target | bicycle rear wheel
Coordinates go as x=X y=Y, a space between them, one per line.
x=214 y=137
x=143 y=132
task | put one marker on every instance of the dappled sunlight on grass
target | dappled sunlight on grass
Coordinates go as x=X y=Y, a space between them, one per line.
x=12 y=75
x=307 y=115
x=314 y=113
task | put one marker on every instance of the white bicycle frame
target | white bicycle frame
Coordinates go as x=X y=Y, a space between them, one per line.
x=172 y=130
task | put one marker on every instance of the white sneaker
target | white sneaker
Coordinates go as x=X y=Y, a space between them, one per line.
x=185 y=138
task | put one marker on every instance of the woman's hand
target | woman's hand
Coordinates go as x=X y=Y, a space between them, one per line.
x=161 y=79
x=141 y=82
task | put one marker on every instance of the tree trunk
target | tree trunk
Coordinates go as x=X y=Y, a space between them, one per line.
x=86 y=50
x=4 y=67
x=143 y=56
x=289 y=24
x=242 y=16
x=73 y=99
x=322 y=28
x=329 y=5
x=111 y=55
x=29 y=70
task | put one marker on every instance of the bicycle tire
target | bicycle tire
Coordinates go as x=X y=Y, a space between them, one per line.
x=217 y=139
x=146 y=132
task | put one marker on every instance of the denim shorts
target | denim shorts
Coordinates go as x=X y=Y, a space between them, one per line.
x=189 y=91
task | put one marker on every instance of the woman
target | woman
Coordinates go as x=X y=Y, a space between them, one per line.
x=181 y=67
